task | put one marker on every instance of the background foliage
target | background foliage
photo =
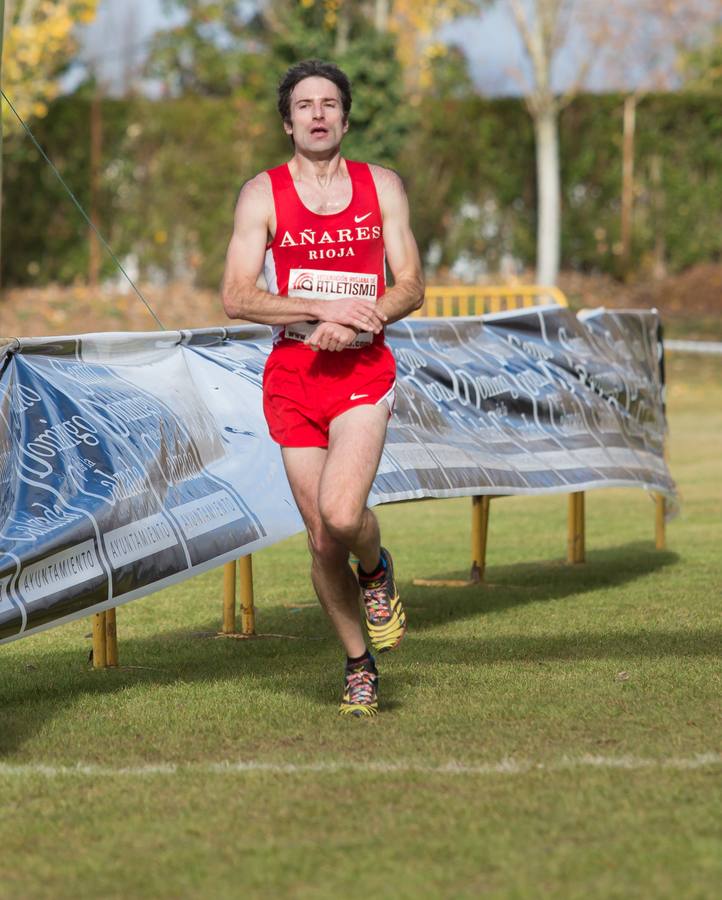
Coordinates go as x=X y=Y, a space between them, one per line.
x=172 y=170
x=172 y=167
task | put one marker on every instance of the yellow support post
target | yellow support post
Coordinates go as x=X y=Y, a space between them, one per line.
x=575 y=528
x=111 y=639
x=571 y=528
x=581 y=528
x=446 y=307
x=229 y=597
x=100 y=659
x=248 y=613
x=479 y=531
x=660 y=532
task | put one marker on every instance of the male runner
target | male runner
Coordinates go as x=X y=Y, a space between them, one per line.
x=321 y=227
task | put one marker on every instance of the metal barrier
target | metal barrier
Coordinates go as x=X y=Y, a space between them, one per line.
x=477 y=300
x=446 y=301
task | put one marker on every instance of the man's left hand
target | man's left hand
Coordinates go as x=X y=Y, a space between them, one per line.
x=331 y=336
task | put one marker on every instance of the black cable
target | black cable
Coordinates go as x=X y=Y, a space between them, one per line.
x=75 y=200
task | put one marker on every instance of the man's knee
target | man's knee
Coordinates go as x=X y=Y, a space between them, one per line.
x=341 y=520
x=326 y=549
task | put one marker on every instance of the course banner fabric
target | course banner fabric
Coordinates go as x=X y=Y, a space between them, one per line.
x=131 y=461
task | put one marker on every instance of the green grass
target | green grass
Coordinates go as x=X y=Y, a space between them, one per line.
x=545 y=665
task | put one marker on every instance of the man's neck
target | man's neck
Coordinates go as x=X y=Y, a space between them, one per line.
x=317 y=171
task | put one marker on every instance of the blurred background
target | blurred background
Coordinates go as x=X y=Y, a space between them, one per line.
x=574 y=142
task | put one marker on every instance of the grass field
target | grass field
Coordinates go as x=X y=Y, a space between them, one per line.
x=553 y=733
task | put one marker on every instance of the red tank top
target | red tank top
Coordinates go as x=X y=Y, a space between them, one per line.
x=326 y=257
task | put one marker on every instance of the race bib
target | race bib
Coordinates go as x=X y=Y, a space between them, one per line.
x=321 y=284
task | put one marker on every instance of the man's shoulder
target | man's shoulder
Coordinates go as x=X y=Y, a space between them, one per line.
x=257 y=186
x=385 y=178
x=389 y=188
x=255 y=201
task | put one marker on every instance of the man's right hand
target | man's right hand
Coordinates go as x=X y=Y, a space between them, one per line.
x=359 y=314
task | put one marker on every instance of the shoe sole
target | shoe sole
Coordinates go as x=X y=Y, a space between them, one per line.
x=357 y=711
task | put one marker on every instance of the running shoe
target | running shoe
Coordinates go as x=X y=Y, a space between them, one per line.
x=360 y=689
x=385 y=616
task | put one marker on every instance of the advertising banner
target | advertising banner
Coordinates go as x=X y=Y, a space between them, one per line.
x=132 y=461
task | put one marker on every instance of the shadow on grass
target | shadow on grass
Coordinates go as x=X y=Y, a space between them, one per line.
x=581 y=646
x=32 y=696
x=534 y=582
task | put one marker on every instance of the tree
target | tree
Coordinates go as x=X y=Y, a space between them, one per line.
x=701 y=67
x=618 y=43
x=2 y=147
x=652 y=37
x=39 y=41
x=234 y=57
x=214 y=52
x=541 y=30
x=415 y=23
x=544 y=26
x=409 y=27
x=219 y=52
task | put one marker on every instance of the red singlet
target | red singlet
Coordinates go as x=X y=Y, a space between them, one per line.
x=324 y=257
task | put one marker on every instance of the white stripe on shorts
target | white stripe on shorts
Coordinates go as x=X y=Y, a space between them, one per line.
x=389 y=398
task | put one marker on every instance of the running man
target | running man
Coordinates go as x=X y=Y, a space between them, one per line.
x=321 y=228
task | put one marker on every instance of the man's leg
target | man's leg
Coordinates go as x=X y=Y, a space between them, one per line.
x=331 y=488
x=356 y=440
x=332 y=577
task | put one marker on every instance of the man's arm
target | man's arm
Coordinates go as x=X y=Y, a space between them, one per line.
x=242 y=299
x=402 y=254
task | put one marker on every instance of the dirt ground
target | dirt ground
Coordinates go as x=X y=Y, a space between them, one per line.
x=690 y=304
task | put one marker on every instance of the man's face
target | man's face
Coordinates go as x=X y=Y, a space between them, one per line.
x=317 y=124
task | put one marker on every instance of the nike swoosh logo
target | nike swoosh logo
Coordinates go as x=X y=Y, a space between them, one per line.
x=358 y=219
x=358 y=396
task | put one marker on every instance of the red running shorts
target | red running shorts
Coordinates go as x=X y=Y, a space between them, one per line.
x=305 y=389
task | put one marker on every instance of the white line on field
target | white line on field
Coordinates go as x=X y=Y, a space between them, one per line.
x=504 y=767
x=710 y=347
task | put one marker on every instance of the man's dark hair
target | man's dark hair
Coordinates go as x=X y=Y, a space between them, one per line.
x=311 y=68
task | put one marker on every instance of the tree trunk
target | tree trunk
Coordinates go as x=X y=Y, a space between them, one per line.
x=659 y=267
x=96 y=152
x=630 y=108
x=548 y=196
x=381 y=15
x=343 y=28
